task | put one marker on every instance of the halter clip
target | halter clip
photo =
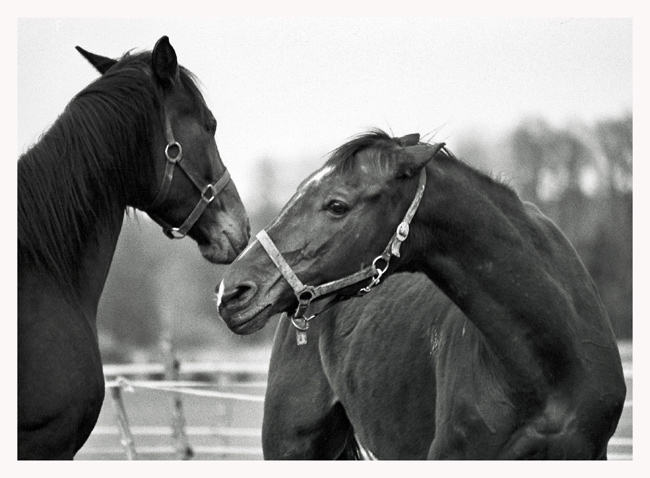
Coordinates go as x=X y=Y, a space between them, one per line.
x=376 y=278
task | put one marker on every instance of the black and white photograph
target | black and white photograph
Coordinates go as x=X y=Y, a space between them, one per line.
x=379 y=234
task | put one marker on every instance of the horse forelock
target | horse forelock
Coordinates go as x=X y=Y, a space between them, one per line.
x=376 y=142
x=77 y=177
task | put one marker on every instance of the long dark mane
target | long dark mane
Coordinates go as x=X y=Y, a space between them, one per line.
x=77 y=177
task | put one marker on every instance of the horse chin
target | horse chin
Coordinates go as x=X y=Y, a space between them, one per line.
x=217 y=254
x=249 y=321
x=223 y=248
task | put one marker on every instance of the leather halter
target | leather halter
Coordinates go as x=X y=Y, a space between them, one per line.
x=208 y=191
x=307 y=293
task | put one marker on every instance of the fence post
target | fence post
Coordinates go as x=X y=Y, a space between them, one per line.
x=182 y=445
x=126 y=438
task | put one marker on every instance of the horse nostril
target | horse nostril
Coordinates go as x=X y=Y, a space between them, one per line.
x=237 y=295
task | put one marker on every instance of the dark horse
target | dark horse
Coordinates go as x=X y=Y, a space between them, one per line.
x=117 y=144
x=502 y=351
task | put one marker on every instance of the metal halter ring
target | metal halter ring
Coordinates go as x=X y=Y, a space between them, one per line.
x=178 y=157
x=377 y=277
x=380 y=258
x=306 y=295
x=301 y=328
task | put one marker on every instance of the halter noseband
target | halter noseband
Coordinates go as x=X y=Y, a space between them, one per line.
x=208 y=191
x=307 y=293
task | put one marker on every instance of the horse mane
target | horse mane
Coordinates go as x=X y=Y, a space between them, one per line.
x=344 y=157
x=79 y=175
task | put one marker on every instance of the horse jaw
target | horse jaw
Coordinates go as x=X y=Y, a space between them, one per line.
x=217 y=254
x=226 y=238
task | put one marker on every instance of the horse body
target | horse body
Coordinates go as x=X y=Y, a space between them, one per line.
x=406 y=367
x=60 y=377
x=367 y=368
x=104 y=153
x=512 y=355
x=310 y=424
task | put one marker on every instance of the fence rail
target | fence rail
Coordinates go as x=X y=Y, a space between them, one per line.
x=227 y=440
x=157 y=430
x=221 y=368
x=169 y=451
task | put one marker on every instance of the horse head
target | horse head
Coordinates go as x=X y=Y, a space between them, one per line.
x=200 y=200
x=336 y=224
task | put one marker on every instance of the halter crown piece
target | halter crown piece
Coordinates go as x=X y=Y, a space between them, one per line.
x=307 y=293
x=208 y=191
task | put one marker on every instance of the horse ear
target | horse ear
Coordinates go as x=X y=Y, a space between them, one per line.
x=101 y=63
x=164 y=62
x=415 y=158
x=409 y=139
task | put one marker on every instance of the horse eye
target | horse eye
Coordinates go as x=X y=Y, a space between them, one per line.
x=337 y=208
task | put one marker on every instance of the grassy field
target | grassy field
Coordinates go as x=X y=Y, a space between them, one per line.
x=229 y=429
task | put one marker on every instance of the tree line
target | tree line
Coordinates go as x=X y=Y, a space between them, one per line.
x=581 y=177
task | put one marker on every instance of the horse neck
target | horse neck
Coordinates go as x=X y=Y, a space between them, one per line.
x=75 y=183
x=44 y=294
x=508 y=268
x=95 y=265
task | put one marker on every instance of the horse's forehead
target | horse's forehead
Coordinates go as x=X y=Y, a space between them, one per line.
x=305 y=190
x=363 y=175
x=317 y=178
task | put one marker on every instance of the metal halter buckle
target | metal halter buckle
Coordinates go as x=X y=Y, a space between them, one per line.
x=402 y=231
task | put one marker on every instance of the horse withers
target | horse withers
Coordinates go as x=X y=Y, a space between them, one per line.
x=512 y=357
x=139 y=136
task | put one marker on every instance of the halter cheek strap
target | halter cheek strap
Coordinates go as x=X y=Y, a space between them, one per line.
x=170 y=163
x=307 y=293
x=208 y=191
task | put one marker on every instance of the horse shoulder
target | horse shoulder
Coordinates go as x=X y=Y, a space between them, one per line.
x=302 y=417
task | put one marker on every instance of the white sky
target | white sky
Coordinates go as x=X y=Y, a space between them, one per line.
x=295 y=88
